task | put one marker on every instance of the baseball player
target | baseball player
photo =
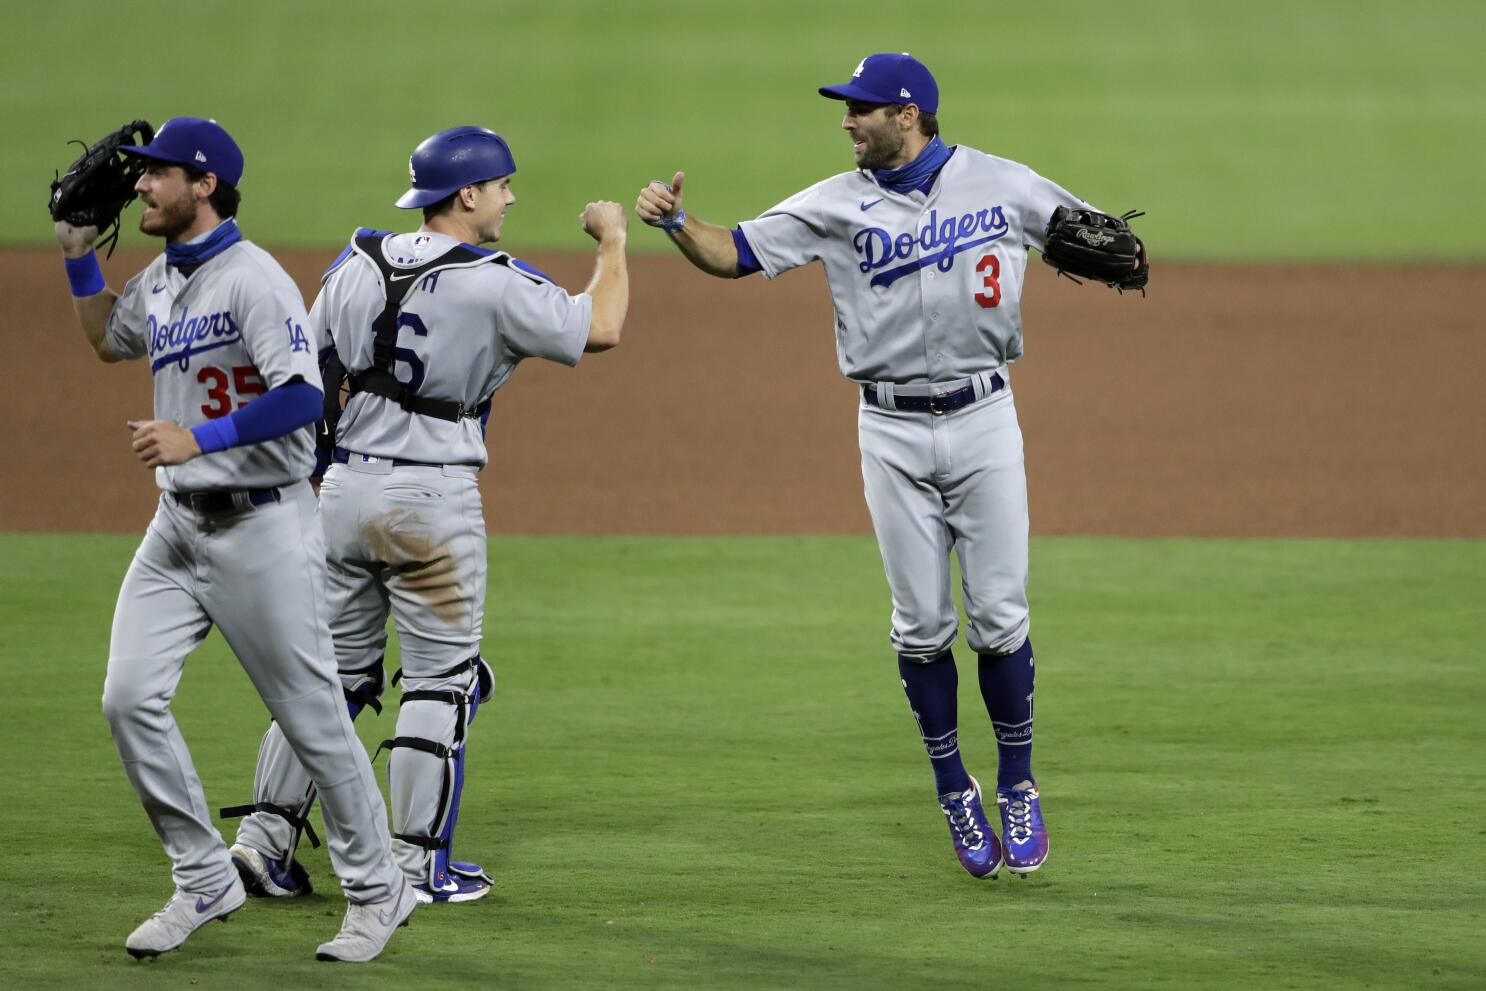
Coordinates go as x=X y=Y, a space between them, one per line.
x=427 y=325
x=236 y=540
x=924 y=247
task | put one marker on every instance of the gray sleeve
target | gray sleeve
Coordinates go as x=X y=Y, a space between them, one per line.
x=540 y=320
x=788 y=235
x=275 y=330
x=1043 y=197
x=125 y=333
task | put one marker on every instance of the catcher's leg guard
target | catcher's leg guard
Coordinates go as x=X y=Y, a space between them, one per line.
x=283 y=793
x=425 y=776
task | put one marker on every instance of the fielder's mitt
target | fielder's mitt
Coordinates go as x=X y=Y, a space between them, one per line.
x=1097 y=246
x=97 y=187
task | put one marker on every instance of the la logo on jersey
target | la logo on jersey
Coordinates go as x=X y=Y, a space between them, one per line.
x=936 y=242
x=181 y=339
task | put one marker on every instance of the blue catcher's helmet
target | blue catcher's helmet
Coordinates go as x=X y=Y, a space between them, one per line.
x=450 y=160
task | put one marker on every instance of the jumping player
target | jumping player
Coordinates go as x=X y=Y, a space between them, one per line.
x=427 y=325
x=924 y=246
x=235 y=541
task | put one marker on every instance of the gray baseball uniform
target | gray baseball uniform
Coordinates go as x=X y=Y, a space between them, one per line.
x=403 y=517
x=927 y=290
x=254 y=567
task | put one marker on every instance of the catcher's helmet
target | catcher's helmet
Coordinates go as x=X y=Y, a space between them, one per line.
x=450 y=160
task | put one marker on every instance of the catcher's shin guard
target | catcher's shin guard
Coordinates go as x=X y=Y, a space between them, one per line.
x=283 y=793
x=425 y=771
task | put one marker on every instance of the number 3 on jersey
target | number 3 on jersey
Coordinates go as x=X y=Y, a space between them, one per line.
x=991 y=281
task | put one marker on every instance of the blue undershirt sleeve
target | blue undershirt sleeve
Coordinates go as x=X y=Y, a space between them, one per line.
x=747 y=261
x=277 y=412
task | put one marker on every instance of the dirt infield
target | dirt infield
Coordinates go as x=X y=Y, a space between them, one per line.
x=1234 y=401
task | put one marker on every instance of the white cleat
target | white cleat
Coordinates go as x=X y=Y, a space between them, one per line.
x=367 y=928
x=186 y=912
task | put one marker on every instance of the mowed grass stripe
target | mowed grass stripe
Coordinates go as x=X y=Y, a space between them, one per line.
x=1259 y=758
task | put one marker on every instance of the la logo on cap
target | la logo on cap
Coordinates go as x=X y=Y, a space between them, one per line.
x=860 y=65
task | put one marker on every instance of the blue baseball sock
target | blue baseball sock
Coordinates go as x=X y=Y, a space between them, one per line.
x=932 y=691
x=1006 y=684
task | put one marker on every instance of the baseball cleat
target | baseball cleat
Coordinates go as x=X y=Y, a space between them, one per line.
x=367 y=928
x=186 y=912
x=1022 y=826
x=269 y=877
x=975 y=841
x=464 y=882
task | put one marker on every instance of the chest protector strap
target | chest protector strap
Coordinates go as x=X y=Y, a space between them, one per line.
x=399 y=284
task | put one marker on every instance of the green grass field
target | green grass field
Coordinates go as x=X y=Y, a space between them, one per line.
x=1334 y=129
x=1261 y=765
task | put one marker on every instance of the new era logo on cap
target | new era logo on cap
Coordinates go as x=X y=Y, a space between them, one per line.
x=905 y=94
x=200 y=156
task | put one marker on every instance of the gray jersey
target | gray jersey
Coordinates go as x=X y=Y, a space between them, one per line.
x=462 y=332
x=926 y=288
x=232 y=331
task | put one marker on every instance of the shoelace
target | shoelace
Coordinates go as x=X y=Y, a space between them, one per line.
x=963 y=823
x=1019 y=820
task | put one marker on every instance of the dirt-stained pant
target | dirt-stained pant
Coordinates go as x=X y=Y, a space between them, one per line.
x=259 y=575
x=410 y=541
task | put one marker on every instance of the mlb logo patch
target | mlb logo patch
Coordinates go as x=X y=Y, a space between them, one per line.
x=422 y=241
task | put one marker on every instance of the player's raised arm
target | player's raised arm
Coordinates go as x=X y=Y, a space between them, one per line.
x=92 y=300
x=605 y=222
x=707 y=246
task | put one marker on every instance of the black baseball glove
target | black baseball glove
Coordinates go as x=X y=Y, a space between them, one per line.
x=1097 y=246
x=97 y=187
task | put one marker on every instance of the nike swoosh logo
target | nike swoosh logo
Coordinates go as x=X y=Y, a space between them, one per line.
x=399 y=278
x=157 y=289
x=867 y=205
x=385 y=918
x=202 y=905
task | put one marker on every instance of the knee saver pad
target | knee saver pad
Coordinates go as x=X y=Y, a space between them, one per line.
x=363 y=687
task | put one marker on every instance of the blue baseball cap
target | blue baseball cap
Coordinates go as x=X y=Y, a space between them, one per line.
x=450 y=160
x=889 y=78
x=195 y=141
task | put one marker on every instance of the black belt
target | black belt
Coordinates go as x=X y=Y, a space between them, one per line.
x=937 y=405
x=342 y=456
x=224 y=501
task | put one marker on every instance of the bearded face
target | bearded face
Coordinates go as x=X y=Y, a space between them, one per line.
x=169 y=199
x=876 y=140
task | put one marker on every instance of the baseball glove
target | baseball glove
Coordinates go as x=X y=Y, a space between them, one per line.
x=1097 y=246
x=100 y=184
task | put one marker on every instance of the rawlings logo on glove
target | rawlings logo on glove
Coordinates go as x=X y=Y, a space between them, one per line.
x=98 y=186
x=1096 y=246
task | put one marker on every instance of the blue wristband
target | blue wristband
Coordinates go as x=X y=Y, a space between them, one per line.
x=84 y=275
x=215 y=435
x=670 y=224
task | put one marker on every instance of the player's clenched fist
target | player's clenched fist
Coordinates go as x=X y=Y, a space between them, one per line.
x=75 y=241
x=602 y=219
x=160 y=442
x=658 y=200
